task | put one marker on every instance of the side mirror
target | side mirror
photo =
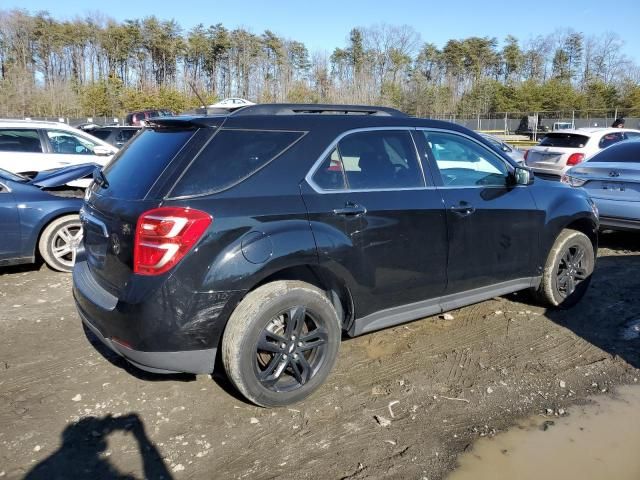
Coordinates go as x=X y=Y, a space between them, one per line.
x=523 y=176
x=102 y=151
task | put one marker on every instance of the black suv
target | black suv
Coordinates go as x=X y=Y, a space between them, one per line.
x=259 y=237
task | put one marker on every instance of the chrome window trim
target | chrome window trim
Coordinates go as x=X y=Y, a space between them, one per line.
x=316 y=165
x=4 y=188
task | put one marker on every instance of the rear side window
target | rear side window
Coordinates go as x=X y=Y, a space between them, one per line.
x=628 y=151
x=371 y=160
x=20 y=140
x=135 y=169
x=230 y=157
x=611 y=138
x=68 y=143
x=564 y=140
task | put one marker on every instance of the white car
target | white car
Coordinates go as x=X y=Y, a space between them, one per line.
x=231 y=103
x=28 y=147
x=558 y=151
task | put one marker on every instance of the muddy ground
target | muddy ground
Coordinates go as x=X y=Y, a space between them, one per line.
x=401 y=403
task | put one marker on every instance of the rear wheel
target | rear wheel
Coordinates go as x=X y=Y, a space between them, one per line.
x=59 y=241
x=568 y=270
x=281 y=342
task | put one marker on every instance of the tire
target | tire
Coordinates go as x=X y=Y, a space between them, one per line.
x=567 y=272
x=58 y=242
x=281 y=342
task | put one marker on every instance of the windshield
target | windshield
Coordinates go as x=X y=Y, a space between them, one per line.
x=12 y=176
x=102 y=134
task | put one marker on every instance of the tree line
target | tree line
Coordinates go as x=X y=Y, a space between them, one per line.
x=98 y=66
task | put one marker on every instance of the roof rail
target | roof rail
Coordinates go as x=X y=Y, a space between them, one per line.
x=316 y=108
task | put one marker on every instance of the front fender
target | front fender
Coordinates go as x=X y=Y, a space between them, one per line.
x=564 y=207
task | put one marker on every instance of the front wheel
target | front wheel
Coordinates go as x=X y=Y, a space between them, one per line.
x=567 y=272
x=281 y=342
x=59 y=241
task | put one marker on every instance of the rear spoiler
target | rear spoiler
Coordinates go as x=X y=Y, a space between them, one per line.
x=212 y=121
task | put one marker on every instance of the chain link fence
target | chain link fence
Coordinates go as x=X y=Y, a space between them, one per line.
x=507 y=123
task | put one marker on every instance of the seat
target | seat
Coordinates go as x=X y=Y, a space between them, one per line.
x=376 y=171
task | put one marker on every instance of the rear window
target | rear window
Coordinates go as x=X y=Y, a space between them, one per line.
x=564 y=140
x=627 y=151
x=230 y=157
x=136 y=168
x=101 y=134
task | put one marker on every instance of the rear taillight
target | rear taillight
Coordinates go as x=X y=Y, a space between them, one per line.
x=575 y=158
x=164 y=235
x=526 y=154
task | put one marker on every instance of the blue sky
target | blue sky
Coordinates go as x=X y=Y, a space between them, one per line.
x=325 y=24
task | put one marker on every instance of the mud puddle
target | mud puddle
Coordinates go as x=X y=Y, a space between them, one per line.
x=596 y=441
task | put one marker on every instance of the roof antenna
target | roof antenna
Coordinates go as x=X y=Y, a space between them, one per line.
x=202 y=102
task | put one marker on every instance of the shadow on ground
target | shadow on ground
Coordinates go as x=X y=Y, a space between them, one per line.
x=608 y=316
x=83 y=453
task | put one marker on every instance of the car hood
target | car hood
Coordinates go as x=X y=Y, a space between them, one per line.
x=62 y=176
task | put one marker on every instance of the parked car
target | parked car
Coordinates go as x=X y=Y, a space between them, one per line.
x=265 y=234
x=28 y=147
x=562 y=126
x=559 y=151
x=117 y=136
x=39 y=216
x=510 y=150
x=612 y=178
x=231 y=104
x=138 y=118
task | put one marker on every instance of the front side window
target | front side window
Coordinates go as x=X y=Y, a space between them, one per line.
x=68 y=143
x=20 y=140
x=463 y=162
x=371 y=160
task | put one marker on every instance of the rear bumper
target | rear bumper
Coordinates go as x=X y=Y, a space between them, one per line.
x=189 y=361
x=617 y=214
x=163 y=328
x=547 y=172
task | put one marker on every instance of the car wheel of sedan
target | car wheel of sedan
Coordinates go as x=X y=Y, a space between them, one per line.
x=568 y=270
x=281 y=342
x=59 y=241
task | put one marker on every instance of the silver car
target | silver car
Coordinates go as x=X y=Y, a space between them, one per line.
x=510 y=150
x=612 y=179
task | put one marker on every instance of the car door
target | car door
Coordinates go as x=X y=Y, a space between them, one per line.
x=375 y=220
x=492 y=223
x=9 y=223
x=68 y=148
x=21 y=150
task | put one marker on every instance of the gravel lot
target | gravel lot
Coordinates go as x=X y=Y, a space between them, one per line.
x=401 y=403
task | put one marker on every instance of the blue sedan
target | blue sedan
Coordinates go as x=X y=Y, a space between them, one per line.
x=39 y=217
x=612 y=178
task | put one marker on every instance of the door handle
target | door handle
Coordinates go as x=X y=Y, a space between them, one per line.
x=463 y=210
x=350 y=210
